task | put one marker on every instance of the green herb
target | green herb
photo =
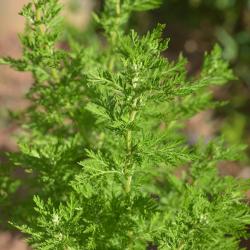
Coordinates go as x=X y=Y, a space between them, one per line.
x=102 y=141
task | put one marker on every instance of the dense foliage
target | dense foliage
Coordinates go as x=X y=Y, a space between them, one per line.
x=194 y=26
x=103 y=146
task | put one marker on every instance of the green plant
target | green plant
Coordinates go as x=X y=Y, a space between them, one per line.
x=199 y=23
x=102 y=141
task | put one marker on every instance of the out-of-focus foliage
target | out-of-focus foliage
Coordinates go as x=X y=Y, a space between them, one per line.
x=229 y=21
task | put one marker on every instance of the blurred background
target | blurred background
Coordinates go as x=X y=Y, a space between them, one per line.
x=193 y=26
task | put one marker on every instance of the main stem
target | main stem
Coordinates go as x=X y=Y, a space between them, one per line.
x=129 y=149
x=118 y=7
x=114 y=32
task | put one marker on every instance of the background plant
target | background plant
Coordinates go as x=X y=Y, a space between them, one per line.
x=102 y=141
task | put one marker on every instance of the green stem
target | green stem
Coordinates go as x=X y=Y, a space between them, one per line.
x=111 y=63
x=129 y=148
x=55 y=74
x=129 y=133
x=118 y=7
x=113 y=34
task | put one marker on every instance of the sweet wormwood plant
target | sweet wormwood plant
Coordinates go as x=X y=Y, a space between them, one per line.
x=102 y=141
